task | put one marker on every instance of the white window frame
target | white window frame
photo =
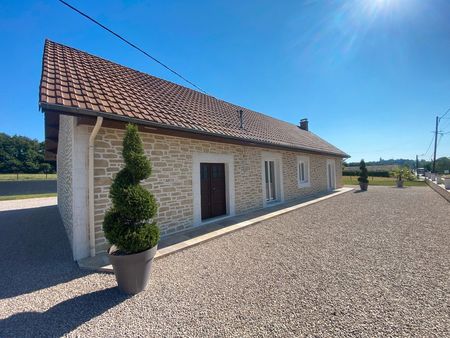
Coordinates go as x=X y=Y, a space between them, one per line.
x=306 y=164
x=279 y=193
x=331 y=185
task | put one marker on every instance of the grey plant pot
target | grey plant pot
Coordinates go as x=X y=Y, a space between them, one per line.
x=132 y=271
x=363 y=186
x=399 y=184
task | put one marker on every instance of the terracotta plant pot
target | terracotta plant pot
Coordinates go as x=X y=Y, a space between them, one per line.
x=399 y=184
x=363 y=186
x=132 y=271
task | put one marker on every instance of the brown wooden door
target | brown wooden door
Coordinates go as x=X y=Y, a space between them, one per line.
x=212 y=178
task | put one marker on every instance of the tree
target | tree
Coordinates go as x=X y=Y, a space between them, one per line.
x=45 y=168
x=129 y=224
x=363 y=174
x=442 y=164
x=20 y=154
x=403 y=174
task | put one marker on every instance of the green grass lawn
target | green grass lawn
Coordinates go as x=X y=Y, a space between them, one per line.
x=26 y=177
x=19 y=197
x=387 y=181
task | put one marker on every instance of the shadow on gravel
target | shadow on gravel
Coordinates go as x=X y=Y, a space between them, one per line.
x=34 y=250
x=63 y=317
x=358 y=191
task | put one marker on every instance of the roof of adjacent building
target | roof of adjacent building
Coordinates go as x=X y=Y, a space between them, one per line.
x=73 y=80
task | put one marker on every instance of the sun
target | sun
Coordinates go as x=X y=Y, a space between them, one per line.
x=381 y=4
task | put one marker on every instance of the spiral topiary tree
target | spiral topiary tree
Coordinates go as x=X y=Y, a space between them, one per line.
x=129 y=224
x=363 y=174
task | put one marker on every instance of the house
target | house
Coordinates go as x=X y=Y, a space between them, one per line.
x=210 y=158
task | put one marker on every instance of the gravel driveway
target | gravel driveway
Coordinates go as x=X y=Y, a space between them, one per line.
x=360 y=264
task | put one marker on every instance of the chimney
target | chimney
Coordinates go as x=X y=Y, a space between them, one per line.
x=303 y=124
x=241 y=119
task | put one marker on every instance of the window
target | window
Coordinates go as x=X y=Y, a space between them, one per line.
x=303 y=172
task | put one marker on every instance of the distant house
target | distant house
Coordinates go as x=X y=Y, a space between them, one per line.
x=211 y=158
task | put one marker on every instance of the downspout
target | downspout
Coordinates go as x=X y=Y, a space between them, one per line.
x=97 y=126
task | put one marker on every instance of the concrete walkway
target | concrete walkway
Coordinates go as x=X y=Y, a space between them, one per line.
x=28 y=203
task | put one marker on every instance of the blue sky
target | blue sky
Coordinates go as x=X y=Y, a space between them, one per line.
x=370 y=75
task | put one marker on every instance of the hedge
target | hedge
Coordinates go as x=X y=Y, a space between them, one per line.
x=370 y=173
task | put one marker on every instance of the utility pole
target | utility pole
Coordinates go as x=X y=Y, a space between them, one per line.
x=417 y=166
x=435 y=144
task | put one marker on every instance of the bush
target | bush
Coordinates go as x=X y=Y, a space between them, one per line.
x=129 y=224
x=363 y=174
x=403 y=174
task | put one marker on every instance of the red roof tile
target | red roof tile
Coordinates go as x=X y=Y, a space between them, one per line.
x=75 y=79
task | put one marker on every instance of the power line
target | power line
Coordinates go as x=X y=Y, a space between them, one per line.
x=443 y=128
x=132 y=45
x=440 y=138
x=431 y=142
x=448 y=110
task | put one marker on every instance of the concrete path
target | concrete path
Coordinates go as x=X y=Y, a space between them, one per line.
x=361 y=264
x=28 y=203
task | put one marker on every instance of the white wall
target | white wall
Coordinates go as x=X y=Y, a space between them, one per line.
x=73 y=183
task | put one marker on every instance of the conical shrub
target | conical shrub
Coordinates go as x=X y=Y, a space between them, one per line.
x=363 y=173
x=129 y=224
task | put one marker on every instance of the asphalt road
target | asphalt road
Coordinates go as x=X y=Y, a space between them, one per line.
x=28 y=187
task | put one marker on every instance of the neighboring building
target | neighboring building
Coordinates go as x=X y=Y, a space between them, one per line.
x=210 y=158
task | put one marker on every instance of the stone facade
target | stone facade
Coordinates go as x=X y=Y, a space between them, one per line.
x=72 y=183
x=65 y=169
x=171 y=180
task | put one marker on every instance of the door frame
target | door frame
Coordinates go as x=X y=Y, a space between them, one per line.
x=333 y=165
x=279 y=191
x=228 y=161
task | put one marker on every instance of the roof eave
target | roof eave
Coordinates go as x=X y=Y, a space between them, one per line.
x=86 y=112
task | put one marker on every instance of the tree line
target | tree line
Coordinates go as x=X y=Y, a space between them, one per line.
x=20 y=154
x=442 y=163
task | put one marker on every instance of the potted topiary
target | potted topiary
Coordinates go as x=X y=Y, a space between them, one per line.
x=129 y=224
x=363 y=178
x=402 y=174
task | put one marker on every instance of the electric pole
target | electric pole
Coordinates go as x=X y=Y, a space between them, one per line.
x=436 y=132
x=417 y=166
x=435 y=144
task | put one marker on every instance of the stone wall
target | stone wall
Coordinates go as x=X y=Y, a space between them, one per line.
x=72 y=183
x=65 y=169
x=171 y=180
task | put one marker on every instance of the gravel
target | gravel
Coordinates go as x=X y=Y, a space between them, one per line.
x=360 y=264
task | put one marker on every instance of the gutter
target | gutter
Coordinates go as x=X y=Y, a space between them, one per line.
x=56 y=108
x=94 y=133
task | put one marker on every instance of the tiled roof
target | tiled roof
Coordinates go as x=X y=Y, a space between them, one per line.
x=75 y=79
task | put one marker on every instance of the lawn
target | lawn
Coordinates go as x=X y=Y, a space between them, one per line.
x=26 y=177
x=387 y=181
